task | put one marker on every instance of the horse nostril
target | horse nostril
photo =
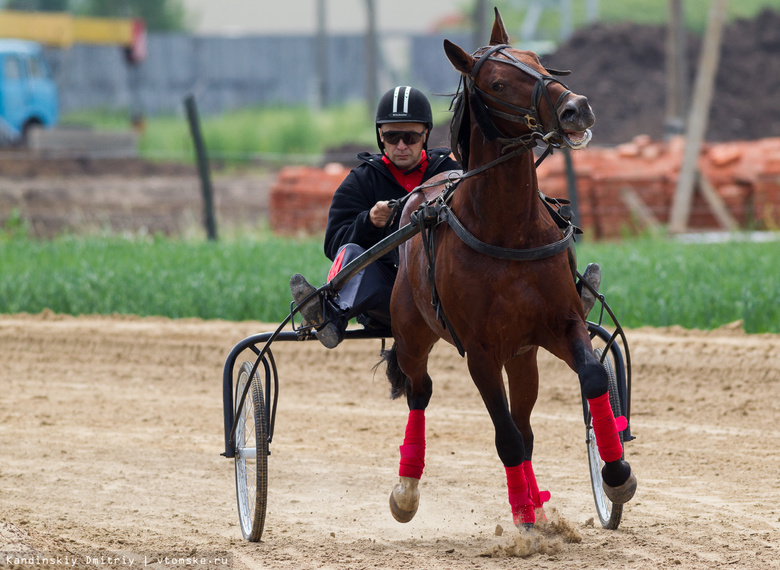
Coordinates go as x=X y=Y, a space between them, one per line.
x=576 y=113
x=568 y=115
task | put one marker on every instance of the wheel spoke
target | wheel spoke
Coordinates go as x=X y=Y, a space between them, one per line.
x=251 y=454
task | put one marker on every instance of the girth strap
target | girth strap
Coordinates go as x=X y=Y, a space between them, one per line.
x=528 y=254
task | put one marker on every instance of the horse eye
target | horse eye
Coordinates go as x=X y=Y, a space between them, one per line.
x=497 y=86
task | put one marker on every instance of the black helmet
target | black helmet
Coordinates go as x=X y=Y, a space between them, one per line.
x=403 y=104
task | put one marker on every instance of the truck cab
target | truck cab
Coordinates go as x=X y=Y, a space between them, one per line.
x=28 y=93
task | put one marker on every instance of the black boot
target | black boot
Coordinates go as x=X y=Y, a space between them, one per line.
x=592 y=276
x=331 y=326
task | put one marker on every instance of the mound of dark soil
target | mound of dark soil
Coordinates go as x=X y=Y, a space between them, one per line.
x=621 y=69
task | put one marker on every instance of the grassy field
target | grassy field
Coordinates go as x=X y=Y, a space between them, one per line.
x=654 y=12
x=647 y=281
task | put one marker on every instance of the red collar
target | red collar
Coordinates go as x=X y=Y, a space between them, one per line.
x=410 y=179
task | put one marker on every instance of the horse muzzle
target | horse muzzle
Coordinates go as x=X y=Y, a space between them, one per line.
x=575 y=118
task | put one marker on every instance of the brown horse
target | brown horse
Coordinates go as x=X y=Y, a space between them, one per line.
x=497 y=308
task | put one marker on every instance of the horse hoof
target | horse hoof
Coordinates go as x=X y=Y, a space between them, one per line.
x=405 y=499
x=622 y=493
x=525 y=527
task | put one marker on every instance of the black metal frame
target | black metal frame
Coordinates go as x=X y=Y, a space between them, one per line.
x=265 y=356
x=622 y=365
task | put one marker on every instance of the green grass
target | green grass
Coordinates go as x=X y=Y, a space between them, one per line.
x=296 y=134
x=282 y=134
x=655 y=12
x=269 y=131
x=695 y=11
x=660 y=283
x=647 y=282
x=238 y=280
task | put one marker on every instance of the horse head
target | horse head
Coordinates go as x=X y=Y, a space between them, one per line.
x=515 y=109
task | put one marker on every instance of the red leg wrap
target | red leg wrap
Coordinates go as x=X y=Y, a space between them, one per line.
x=606 y=428
x=538 y=498
x=519 y=495
x=413 y=448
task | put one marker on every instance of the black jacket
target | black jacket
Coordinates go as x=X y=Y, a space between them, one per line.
x=364 y=186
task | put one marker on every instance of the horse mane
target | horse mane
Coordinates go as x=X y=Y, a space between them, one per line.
x=460 y=127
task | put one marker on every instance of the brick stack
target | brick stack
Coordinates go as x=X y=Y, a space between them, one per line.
x=745 y=174
x=301 y=196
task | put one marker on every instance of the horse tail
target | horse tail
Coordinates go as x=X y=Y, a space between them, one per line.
x=394 y=373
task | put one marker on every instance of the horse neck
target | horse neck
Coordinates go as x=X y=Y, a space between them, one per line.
x=504 y=196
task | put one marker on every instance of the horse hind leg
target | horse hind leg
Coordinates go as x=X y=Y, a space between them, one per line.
x=619 y=481
x=405 y=497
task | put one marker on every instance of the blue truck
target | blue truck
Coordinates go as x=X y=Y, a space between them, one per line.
x=28 y=93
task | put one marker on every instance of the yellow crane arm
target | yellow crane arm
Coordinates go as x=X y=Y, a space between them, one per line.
x=60 y=29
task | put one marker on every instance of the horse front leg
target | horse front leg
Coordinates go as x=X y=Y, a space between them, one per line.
x=523 y=379
x=618 y=480
x=510 y=442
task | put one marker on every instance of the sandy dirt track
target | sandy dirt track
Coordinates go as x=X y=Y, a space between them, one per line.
x=111 y=434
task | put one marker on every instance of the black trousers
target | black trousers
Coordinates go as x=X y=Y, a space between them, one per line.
x=367 y=295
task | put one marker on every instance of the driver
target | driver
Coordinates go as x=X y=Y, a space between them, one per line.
x=360 y=210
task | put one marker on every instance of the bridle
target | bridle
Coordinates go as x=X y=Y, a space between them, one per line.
x=484 y=113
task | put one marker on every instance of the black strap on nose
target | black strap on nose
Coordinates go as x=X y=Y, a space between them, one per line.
x=529 y=116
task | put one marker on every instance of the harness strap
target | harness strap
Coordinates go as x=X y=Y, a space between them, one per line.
x=428 y=217
x=561 y=216
x=529 y=254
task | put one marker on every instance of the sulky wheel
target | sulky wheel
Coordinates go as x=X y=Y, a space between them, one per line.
x=609 y=513
x=251 y=457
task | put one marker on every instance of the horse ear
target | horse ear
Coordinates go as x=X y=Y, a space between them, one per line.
x=499 y=35
x=460 y=60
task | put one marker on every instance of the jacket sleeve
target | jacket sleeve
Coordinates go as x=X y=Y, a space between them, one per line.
x=348 y=219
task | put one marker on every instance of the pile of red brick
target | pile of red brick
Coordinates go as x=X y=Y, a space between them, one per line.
x=744 y=174
x=301 y=196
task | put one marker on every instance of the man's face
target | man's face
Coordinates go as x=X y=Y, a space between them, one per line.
x=401 y=148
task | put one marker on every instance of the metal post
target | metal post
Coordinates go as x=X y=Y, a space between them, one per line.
x=571 y=179
x=676 y=70
x=322 y=54
x=372 y=60
x=203 y=167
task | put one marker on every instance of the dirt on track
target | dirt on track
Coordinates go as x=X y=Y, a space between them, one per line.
x=111 y=434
